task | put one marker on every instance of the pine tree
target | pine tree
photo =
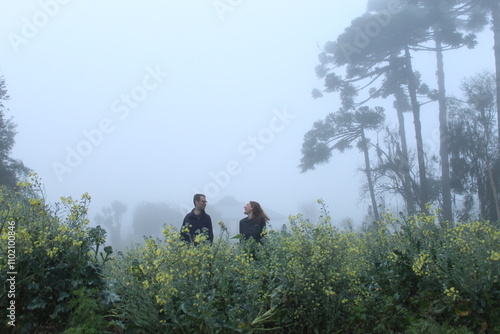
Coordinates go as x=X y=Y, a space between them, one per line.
x=11 y=170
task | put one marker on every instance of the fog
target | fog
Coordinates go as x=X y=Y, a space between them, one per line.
x=154 y=101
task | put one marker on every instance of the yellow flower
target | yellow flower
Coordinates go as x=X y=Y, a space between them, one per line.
x=420 y=264
x=494 y=256
x=452 y=293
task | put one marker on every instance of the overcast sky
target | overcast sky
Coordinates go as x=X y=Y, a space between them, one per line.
x=156 y=100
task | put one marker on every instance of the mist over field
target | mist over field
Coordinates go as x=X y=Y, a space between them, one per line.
x=368 y=131
x=143 y=104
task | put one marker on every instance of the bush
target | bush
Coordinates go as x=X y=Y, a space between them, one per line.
x=181 y=287
x=405 y=275
x=55 y=255
x=447 y=274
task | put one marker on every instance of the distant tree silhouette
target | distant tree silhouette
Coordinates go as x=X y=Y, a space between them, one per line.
x=480 y=14
x=111 y=218
x=149 y=217
x=11 y=170
x=474 y=158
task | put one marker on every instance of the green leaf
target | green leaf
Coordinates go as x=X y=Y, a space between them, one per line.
x=36 y=303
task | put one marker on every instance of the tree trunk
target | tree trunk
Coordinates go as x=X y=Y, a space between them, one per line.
x=495 y=14
x=369 y=176
x=405 y=165
x=444 y=136
x=412 y=89
x=494 y=191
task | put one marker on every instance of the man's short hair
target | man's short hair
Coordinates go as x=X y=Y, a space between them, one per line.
x=197 y=198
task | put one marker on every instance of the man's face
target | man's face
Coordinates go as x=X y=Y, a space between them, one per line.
x=201 y=203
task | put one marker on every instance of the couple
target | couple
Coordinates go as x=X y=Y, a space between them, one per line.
x=198 y=221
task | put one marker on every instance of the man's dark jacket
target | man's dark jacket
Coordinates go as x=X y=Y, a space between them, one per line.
x=197 y=224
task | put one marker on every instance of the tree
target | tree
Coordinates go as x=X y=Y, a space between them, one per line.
x=409 y=30
x=402 y=105
x=440 y=19
x=337 y=132
x=149 y=218
x=375 y=45
x=391 y=174
x=388 y=175
x=480 y=13
x=446 y=36
x=112 y=219
x=474 y=159
x=11 y=170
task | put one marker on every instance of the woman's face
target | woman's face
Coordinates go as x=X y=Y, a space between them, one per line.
x=248 y=209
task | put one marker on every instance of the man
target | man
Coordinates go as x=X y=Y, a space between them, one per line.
x=197 y=221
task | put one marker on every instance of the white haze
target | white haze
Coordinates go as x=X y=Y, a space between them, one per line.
x=169 y=98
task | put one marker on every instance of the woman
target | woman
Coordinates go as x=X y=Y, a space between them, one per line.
x=253 y=225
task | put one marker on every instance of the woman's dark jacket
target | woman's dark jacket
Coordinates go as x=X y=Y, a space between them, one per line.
x=252 y=228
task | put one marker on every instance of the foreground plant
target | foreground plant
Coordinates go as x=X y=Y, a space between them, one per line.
x=56 y=253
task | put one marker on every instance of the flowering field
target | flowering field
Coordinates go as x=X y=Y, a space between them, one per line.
x=404 y=275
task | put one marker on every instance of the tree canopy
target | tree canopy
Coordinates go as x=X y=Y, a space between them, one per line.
x=11 y=170
x=372 y=59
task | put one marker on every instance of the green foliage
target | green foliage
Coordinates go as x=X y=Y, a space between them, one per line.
x=473 y=145
x=426 y=271
x=426 y=326
x=11 y=170
x=56 y=253
x=86 y=316
x=407 y=275
x=338 y=131
x=190 y=288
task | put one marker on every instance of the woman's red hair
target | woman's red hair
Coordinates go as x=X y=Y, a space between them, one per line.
x=257 y=211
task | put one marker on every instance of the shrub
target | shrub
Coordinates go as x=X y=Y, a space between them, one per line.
x=55 y=254
x=447 y=274
x=408 y=274
x=191 y=288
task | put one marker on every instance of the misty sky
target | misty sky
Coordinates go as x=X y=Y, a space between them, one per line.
x=156 y=100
